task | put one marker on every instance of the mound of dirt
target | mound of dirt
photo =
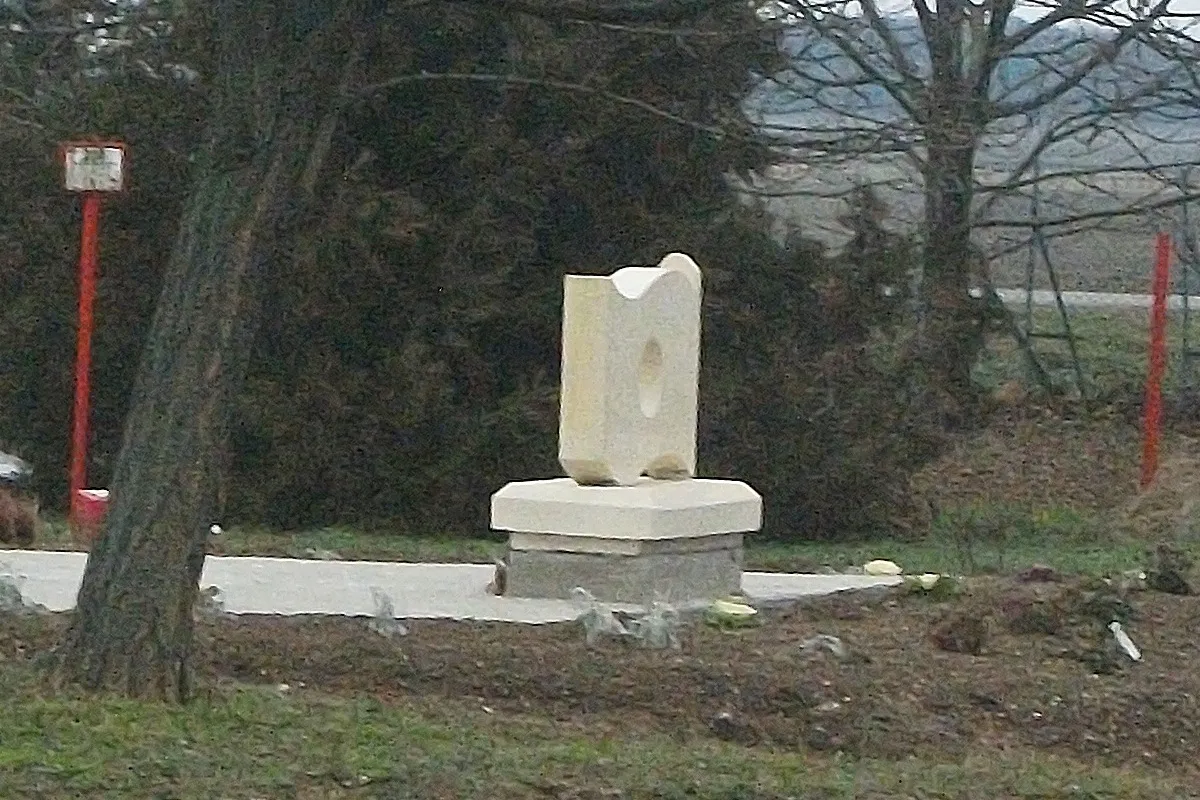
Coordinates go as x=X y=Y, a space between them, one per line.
x=1038 y=459
x=1045 y=678
x=1168 y=509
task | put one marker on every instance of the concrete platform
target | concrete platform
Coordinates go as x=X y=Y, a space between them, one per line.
x=682 y=538
x=284 y=586
x=680 y=577
x=607 y=517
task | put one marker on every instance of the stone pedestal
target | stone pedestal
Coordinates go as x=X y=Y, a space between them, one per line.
x=623 y=544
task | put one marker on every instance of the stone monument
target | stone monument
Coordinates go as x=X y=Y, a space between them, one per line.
x=631 y=520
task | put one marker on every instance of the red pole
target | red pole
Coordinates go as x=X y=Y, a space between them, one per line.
x=83 y=349
x=1152 y=430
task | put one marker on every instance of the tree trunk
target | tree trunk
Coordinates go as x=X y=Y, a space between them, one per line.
x=949 y=338
x=954 y=114
x=280 y=68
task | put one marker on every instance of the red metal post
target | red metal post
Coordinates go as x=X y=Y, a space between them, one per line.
x=83 y=349
x=1152 y=429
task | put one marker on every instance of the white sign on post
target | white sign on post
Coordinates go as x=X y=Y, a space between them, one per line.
x=94 y=167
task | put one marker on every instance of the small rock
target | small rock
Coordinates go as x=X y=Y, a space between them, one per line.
x=733 y=728
x=210 y=602
x=384 y=622
x=659 y=628
x=1039 y=573
x=1025 y=615
x=882 y=568
x=13 y=602
x=597 y=620
x=927 y=581
x=961 y=633
x=818 y=738
x=730 y=613
x=1168 y=582
x=1131 y=580
x=1171 y=567
x=499 y=582
x=986 y=701
x=823 y=642
x=318 y=554
x=1124 y=642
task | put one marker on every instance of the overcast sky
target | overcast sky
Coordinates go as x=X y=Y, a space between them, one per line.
x=1033 y=10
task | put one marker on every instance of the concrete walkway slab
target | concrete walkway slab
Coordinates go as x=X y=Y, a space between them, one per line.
x=288 y=586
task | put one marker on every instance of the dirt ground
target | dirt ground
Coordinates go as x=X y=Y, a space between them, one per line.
x=1042 y=458
x=897 y=693
x=1036 y=666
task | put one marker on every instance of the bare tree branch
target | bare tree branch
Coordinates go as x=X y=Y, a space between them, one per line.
x=1134 y=209
x=1102 y=54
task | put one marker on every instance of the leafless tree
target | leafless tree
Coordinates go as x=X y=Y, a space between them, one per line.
x=982 y=100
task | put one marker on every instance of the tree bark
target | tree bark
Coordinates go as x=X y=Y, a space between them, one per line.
x=949 y=332
x=280 y=67
x=954 y=114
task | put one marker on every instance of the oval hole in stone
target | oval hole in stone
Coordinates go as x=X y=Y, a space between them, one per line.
x=650 y=379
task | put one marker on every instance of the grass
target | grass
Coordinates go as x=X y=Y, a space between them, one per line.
x=974 y=540
x=323 y=542
x=257 y=742
x=950 y=550
x=980 y=539
x=1112 y=346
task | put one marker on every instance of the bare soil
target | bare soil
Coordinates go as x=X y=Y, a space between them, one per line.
x=1042 y=458
x=897 y=694
x=1035 y=668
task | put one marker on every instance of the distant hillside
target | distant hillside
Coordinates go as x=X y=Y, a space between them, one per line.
x=1020 y=77
x=792 y=105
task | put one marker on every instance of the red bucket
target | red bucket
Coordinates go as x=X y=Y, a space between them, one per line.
x=87 y=517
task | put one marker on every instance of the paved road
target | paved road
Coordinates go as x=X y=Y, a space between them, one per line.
x=288 y=586
x=1042 y=298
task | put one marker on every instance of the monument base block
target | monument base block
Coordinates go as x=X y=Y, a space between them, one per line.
x=681 y=539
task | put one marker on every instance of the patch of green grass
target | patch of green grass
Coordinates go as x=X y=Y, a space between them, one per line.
x=322 y=543
x=1103 y=557
x=982 y=539
x=976 y=539
x=967 y=540
x=964 y=541
x=255 y=742
x=1113 y=351
x=349 y=543
x=54 y=534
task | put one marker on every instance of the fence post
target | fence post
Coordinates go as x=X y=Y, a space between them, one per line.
x=1152 y=414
